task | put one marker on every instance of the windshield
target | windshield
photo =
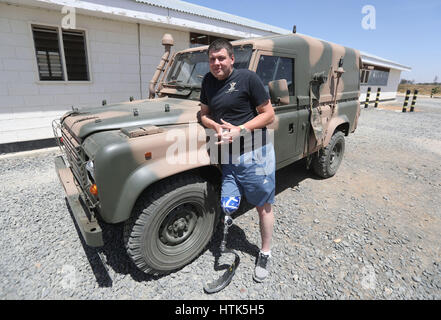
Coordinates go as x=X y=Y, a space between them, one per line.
x=189 y=68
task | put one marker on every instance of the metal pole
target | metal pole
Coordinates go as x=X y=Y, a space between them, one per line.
x=406 y=100
x=368 y=93
x=412 y=106
x=377 y=99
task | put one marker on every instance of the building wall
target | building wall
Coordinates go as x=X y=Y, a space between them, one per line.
x=388 y=92
x=28 y=106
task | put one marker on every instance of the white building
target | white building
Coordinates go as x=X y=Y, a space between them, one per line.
x=379 y=73
x=55 y=54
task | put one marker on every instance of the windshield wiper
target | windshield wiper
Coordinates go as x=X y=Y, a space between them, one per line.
x=189 y=86
x=173 y=82
x=183 y=85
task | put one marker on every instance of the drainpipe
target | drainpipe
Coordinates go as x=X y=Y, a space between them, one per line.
x=167 y=42
x=139 y=61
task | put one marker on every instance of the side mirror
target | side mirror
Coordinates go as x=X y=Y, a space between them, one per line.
x=279 y=93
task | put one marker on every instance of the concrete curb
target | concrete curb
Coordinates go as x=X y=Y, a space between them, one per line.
x=26 y=145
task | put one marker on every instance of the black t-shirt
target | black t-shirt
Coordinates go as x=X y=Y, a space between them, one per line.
x=234 y=99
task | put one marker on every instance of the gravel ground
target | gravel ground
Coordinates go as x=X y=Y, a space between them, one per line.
x=370 y=232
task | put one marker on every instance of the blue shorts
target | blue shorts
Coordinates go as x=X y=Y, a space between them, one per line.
x=254 y=176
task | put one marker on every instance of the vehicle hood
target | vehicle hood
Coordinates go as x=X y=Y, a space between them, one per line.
x=86 y=121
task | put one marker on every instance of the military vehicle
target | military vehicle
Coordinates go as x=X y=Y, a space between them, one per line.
x=116 y=165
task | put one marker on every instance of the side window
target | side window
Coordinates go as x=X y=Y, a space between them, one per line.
x=274 y=68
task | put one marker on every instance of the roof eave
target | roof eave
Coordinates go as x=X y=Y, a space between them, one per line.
x=371 y=59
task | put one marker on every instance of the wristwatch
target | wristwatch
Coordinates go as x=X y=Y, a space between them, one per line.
x=243 y=130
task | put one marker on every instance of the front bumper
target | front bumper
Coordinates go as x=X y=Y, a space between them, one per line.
x=88 y=225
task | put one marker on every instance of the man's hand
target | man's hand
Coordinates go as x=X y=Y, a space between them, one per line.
x=208 y=122
x=229 y=132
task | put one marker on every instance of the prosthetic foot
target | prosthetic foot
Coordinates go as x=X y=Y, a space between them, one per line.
x=226 y=278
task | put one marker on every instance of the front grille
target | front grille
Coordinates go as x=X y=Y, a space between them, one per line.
x=76 y=157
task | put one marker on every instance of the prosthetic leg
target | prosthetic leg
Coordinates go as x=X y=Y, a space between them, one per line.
x=226 y=278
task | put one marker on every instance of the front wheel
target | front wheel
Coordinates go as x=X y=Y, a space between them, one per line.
x=328 y=159
x=171 y=224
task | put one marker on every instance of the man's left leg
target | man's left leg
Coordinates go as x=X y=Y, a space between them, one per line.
x=258 y=181
x=266 y=222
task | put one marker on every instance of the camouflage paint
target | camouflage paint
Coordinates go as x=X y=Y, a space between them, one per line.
x=122 y=171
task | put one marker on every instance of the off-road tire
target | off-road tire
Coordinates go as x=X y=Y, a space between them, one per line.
x=171 y=224
x=327 y=160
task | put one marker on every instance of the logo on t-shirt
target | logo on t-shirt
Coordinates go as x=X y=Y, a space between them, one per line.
x=232 y=87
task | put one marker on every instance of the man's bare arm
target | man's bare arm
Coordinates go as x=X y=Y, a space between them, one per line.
x=207 y=121
x=264 y=118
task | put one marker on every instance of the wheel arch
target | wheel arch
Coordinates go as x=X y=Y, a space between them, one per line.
x=340 y=123
x=144 y=179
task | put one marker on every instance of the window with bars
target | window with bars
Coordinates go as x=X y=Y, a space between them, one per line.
x=375 y=75
x=53 y=46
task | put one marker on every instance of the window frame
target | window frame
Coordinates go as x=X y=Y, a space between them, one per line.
x=277 y=53
x=62 y=56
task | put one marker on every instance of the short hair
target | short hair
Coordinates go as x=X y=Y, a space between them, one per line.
x=219 y=44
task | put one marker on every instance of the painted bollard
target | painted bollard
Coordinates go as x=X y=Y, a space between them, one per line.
x=406 y=100
x=377 y=99
x=412 y=106
x=368 y=93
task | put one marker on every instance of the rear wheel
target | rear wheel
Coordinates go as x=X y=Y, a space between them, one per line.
x=171 y=224
x=328 y=159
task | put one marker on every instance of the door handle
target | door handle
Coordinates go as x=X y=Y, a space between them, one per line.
x=291 y=128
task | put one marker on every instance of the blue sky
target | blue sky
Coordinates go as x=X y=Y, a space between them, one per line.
x=406 y=31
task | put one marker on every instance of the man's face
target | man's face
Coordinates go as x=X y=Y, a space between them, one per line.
x=221 y=64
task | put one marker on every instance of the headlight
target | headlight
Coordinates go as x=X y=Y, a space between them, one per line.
x=90 y=168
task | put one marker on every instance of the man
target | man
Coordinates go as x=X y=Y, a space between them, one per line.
x=234 y=103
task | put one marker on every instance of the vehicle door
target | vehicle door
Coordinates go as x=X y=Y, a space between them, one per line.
x=270 y=66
